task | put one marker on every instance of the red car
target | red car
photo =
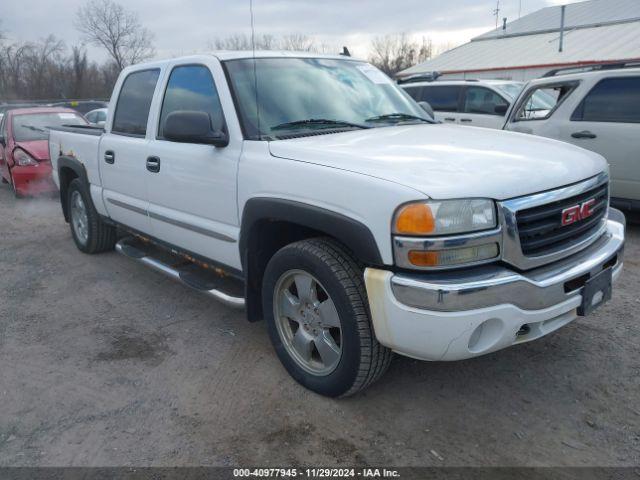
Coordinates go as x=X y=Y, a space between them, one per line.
x=24 y=147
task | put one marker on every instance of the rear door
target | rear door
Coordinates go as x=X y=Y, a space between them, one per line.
x=482 y=107
x=123 y=151
x=607 y=121
x=445 y=101
x=192 y=192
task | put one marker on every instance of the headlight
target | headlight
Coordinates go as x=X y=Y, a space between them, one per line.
x=446 y=233
x=445 y=217
x=23 y=159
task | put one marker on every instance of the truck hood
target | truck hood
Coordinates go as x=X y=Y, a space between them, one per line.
x=38 y=149
x=448 y=161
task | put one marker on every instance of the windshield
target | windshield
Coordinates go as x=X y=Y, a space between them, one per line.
x=509 y=90
x=302 y=95
x=35 y=126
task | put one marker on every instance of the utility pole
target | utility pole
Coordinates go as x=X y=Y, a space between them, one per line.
x=519 y=8
x=562 y=14
x=496 y=12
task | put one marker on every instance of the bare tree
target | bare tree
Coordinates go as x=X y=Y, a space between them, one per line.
x=392 y=53
x=109 y=25
x=297 y=42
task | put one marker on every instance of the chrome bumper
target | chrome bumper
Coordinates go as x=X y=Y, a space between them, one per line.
x=495 y=285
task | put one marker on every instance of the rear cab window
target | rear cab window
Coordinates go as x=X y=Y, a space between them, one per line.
x=134 y=102
x=615 y=100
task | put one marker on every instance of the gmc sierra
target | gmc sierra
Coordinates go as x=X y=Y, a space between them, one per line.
x=315 y=193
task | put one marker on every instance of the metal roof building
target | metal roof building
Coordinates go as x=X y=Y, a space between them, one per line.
x=594 y=31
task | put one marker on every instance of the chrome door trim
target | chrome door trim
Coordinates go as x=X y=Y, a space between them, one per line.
x=193 y=228
x=172 y=221
x=133 y=208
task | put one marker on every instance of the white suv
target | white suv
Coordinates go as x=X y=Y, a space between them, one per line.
x=597 y=110
x=480 y=103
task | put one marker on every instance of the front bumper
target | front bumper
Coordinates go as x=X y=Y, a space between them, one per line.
x=33 y=179
x=456 y=315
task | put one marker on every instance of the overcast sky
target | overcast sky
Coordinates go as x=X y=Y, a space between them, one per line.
x=187 y=26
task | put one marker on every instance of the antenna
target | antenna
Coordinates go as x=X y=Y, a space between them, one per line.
x=496 y=12
x=255 y=74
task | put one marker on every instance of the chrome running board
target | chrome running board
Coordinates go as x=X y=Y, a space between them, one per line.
x=223 y=288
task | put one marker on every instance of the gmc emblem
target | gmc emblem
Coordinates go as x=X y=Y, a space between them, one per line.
x=577 y=212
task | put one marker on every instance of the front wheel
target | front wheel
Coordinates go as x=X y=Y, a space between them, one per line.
x=90 y=233
x=317 y=314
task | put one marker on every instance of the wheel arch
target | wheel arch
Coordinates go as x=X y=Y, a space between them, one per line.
x=269 y=224
x=68 y=169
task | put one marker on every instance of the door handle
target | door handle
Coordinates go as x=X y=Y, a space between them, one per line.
x=109 y=156
x=466 y=120
x=583 y=134
x=153 y=164
x=449 y=119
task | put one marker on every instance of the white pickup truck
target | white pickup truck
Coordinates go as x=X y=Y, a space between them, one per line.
x=315 y=193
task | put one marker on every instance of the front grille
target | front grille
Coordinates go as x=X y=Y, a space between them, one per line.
x=541 y=230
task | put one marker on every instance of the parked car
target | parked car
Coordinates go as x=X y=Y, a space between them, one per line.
x=328 y=204
x=479 y=103
x=24 y=149
x=82 y=106
x=97 y=117
x=597 y=110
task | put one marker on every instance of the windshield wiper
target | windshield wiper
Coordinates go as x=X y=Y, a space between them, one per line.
x=318 y=121
x=397 y=116
x=35 y=129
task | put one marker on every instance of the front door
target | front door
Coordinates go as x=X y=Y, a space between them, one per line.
x=192 y=190
x=607 y=121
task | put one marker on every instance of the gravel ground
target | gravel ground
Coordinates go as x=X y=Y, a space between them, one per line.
x=106 y=363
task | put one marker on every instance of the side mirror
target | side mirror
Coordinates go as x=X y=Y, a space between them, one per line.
x=188 y=126
x=427 y=108
x=501 y=109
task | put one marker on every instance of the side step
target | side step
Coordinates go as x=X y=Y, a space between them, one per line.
x=225 y=289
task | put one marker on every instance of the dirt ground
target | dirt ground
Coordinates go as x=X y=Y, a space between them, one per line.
x=106 y=363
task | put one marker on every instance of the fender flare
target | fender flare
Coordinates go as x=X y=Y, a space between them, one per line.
x=353 y=234
x=80 y=172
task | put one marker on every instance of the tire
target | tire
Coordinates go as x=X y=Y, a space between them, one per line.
x=338 y=278
x=96 y=236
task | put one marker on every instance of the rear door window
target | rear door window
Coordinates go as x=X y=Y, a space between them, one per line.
x=483 y=101
x=444 y=98
x=134 y=102
x=611 y=100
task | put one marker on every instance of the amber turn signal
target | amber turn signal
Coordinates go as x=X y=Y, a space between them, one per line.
x=421 y=258
x=415 y=219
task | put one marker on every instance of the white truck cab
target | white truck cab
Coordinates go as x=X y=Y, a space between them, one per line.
x=477 y=103
x=313 y=192
x=594 y=109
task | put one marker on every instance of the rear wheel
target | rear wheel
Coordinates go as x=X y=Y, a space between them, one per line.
x=89 y=232
x=317 y=313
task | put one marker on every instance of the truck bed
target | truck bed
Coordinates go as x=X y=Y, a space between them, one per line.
x=79 y=142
